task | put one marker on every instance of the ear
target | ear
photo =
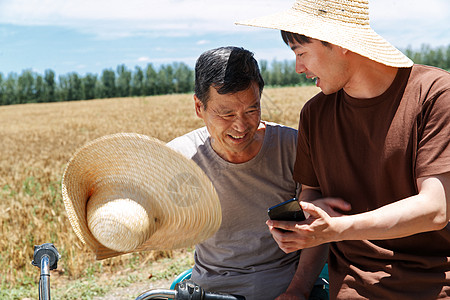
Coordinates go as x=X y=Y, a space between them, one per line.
x=343 y=50
x=198 y=107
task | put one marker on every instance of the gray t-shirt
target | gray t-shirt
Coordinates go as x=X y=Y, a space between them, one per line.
x=242 y=257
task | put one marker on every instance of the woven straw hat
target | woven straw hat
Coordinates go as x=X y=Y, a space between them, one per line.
x=344 y=23
x=128 y=192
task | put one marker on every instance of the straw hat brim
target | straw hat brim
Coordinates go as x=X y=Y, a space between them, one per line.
x=360 y=39
x=133 y=193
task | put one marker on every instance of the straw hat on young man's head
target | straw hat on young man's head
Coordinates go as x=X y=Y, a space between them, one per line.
x=128 y=192
x=344 y=23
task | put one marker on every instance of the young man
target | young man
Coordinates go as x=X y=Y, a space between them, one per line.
x=250 y=163
x=376 y=136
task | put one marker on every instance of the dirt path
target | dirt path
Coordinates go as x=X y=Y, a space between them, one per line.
x=132 y=291
x=126 y=283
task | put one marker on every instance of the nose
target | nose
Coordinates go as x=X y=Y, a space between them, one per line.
x=299 y=66
x=240 y=124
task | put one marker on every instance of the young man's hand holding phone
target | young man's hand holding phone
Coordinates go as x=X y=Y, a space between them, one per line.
x=289 y=210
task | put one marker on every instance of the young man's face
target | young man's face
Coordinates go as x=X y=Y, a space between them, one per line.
x=232 y=121
x=324 y=63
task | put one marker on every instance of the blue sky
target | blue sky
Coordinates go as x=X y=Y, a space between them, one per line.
x=88 y=36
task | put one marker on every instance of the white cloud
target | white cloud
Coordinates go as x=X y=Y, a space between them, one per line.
x=397 y=20
x=404 y=10
x=80 y=66
x=35 y=10
x=143 y=59
x=202 y=42
x=412 y=22
x=110 y=18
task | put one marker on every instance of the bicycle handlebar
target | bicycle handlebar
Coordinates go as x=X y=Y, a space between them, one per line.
x=46 y=258
x=187 y=290
x=213 y=296
x=156 y=294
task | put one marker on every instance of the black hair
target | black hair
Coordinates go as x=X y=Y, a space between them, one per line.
x=228 y=70
x=290 y=37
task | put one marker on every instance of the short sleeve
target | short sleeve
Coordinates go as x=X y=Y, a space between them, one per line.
x=433 y=149
x=303 y=168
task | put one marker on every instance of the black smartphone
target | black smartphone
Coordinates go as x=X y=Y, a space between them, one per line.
x=289 y=210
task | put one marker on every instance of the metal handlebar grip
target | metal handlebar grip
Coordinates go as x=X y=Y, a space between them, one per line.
x=158 y=294
x=49 y=250
x=45 y=258
x=188 y=290
x=214 y=296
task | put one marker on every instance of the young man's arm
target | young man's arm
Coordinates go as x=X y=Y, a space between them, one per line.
x=429 y=210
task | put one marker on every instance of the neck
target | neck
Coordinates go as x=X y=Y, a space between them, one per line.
x=369 y=79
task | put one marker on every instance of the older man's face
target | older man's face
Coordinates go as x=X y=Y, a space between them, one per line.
x=232 y=121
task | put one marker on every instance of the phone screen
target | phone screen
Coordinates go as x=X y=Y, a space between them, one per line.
x=289 y=210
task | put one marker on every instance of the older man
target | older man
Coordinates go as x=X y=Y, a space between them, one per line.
x=250 y=163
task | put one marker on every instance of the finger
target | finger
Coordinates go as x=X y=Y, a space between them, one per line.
x=280 y=234
x=286 y=225
x=337 y=203
x=288 y=241
x=287 y=247
x=311 y=209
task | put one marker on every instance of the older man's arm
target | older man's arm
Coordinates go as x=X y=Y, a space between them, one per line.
x=312 y=260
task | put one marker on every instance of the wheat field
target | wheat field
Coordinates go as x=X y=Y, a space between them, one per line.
x=37 y=140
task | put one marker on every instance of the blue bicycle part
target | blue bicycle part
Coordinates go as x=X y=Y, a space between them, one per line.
x=183 y=276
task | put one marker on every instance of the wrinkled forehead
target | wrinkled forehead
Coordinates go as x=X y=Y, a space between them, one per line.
x=241 y=100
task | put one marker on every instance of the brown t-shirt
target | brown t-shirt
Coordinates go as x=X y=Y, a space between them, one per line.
x=370 y=152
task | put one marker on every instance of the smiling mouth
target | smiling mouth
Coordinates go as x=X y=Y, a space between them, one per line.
x=315 y=78
x=237 y=137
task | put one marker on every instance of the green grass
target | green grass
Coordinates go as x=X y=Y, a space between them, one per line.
x=81 y=289
x=174 y=267
x=27 y=288
x=92 y=285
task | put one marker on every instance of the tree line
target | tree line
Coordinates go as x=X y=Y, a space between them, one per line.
x=31 y=87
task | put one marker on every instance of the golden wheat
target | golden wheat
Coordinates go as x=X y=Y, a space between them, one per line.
x=37 y=140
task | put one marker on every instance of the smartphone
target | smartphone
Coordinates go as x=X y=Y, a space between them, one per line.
x=289 y=210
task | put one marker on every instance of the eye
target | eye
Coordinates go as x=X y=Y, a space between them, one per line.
x=227 y=116
x=252 y=111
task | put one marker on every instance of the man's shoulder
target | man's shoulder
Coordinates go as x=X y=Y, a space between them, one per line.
x=281 y=132
x=189 y=143
x=429 y=70
x=279 y=128
x=278 y=134
x=427 y=83
x=319 y=102
x=422 y=75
